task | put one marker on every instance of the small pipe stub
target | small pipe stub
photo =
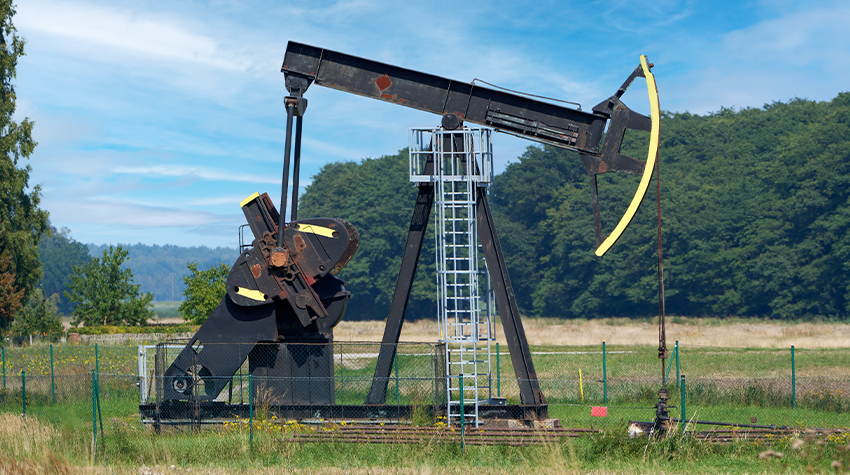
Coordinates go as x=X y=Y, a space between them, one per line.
x=662 y=415
x=450 y=121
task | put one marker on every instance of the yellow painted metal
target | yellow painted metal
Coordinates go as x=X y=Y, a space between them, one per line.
x=581 y=385
x=313 y=229
x=652 y=156
x=251 y=294
x=248 y=200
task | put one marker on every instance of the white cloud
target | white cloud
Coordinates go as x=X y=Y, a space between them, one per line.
x=801 y=50
x=812 y=36
x=646 y=16
x=128 y=214
x=185 y=171
x=146 y=34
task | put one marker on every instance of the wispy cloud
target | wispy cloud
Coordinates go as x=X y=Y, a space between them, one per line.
x=810 y=36
x=139 y=33
x=128 y=214
x=646 y=16
x=181 y=171
x=795 y=52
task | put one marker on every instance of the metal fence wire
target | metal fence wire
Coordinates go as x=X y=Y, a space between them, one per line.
x=108 y=390
x=206 y=383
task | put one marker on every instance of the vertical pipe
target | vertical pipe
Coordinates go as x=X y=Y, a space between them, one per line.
x=604 y=375
x=52 y=381
x=498 y=374
x=24 y=389
x=462 y=416
x=684 y=414
x=251 y=409
x=677 y=362
x=296 y=168
x=290 y=110
x=793 y=380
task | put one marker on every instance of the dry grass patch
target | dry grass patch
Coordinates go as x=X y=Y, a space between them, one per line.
x=623 y=331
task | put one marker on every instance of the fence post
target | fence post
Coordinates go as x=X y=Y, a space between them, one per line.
x=96 y=361
x=677 y=362
x=498 y=374
x=395 y=362
x=684 y=414
x=94 y=415
x=462 y=416
x=251 y=409
x=24 y=389
x=342 y=374
x=52 y=381
x=604 y=375
x=4 y=366
x=793 y=380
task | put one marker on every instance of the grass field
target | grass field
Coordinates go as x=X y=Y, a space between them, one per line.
x=66 y=447
x=724 y=383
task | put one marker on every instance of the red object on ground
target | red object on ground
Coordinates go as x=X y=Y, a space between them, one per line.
x=599 y=411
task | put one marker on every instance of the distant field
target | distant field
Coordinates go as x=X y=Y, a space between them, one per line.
x=732 y=333
x=166 y=311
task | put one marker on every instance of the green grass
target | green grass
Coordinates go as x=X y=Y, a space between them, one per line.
x=128 y=445
x=727 y=385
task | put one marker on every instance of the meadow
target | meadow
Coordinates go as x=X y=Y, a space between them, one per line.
x=723 y=383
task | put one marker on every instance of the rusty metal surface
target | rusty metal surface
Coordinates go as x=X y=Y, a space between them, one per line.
x=512 y=113
x=504 y=110
x=371 y=434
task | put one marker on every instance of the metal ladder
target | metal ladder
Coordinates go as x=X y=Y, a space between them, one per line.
x=462 y=165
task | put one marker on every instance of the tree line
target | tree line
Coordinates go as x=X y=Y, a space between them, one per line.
x=755 y=222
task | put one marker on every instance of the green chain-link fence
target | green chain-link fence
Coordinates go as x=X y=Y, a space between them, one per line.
x=98 y=390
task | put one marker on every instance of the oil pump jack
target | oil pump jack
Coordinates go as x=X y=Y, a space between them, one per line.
x=521 y=115
x=284 y=290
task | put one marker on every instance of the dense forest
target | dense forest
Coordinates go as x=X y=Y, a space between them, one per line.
x=756 y=222
x=755 y=212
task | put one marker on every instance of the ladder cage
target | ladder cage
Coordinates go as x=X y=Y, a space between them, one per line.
x=462 y=167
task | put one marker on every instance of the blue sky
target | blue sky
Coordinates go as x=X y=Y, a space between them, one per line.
x=154 y=119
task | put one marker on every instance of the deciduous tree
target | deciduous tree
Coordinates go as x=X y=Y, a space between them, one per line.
x=38 y=318
x=21 y=221
x=204 y=290
x=10 y=295
x=105 y=293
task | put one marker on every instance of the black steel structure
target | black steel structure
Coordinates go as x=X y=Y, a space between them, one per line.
x=283 y=297
x=508 y=112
